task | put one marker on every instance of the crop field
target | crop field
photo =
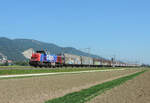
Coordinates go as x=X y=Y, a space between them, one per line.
x=42 y=89
x=26 y=70
x=136 y=90
x=85 y=95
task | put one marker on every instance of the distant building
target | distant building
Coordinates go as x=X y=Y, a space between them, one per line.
x=10 y=62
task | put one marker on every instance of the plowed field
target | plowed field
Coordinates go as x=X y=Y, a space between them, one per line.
x=41 y=89
x=136 y=90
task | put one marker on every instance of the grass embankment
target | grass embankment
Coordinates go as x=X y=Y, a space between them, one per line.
x=46 y=70
x=15 y=66
x=87 y=94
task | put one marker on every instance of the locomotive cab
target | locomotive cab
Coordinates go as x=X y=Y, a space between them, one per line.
x=36 y=58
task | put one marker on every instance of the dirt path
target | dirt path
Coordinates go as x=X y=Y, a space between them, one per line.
x=136 y=90
x=40 y=89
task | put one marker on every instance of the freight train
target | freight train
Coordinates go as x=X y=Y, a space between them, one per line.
x=44 y=59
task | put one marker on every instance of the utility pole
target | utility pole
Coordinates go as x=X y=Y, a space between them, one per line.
x=88 y=49
x=113 y=60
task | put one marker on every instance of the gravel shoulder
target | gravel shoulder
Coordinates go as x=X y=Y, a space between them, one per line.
x=41 y=89
x=136 y=90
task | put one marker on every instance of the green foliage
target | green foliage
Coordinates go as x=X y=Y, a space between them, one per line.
x=13 y=48
x=145 y=65
x=4 y=64
x=87 y=94
x=21 y=63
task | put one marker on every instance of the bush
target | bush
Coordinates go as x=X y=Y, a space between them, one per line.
x=22 y=63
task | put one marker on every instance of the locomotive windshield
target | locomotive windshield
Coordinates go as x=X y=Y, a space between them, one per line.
x=42 y=52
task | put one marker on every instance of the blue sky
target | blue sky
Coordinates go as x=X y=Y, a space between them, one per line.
x=108 y=27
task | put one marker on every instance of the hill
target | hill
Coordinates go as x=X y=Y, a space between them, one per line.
x=15 y=49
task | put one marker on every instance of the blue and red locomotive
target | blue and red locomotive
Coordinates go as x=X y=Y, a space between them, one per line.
x=43 y=59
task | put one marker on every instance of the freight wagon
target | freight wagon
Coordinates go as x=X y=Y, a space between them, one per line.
x=71 y=60
x=97 y=63
x=87 y=61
